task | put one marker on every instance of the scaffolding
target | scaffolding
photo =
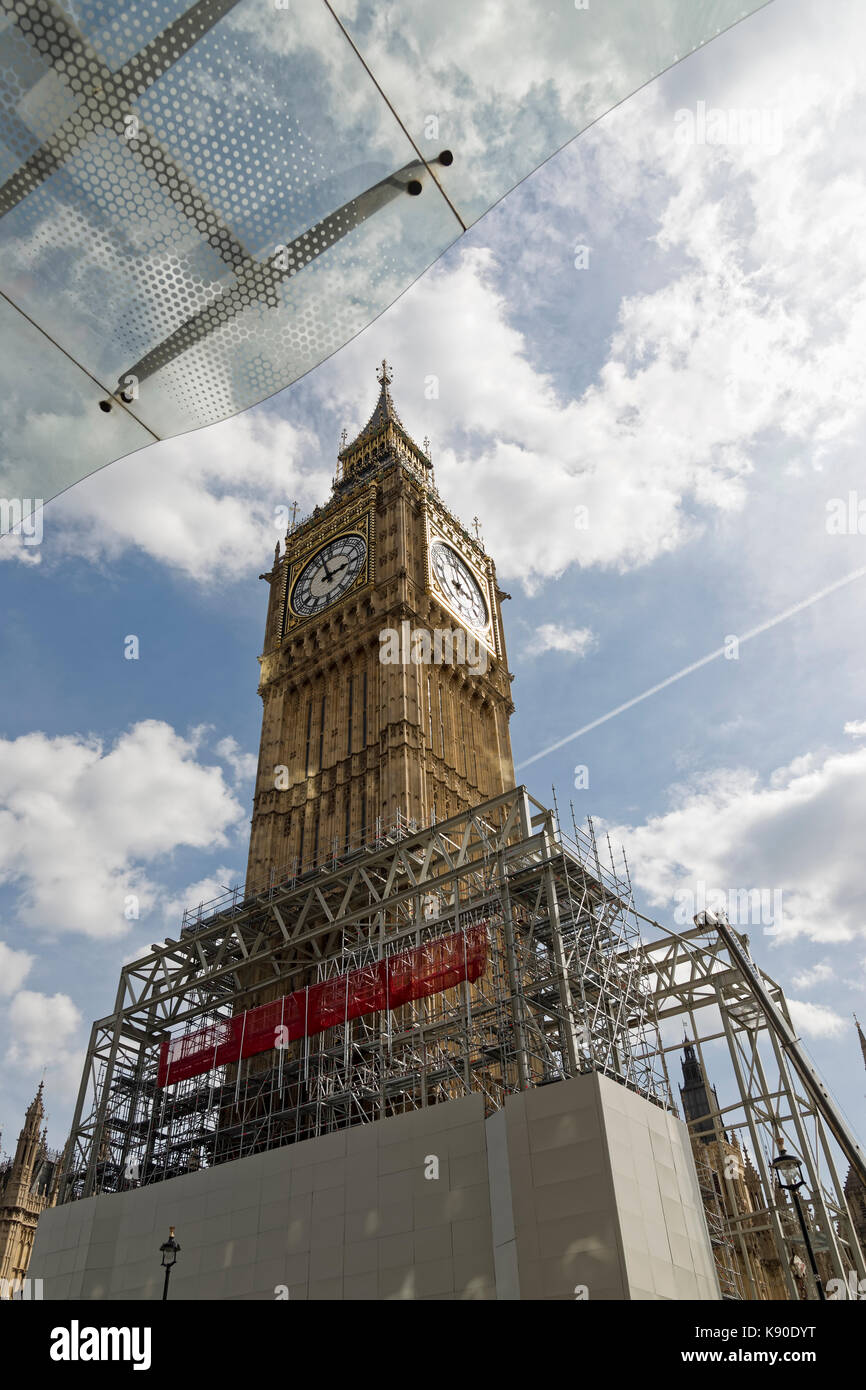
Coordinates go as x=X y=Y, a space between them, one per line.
x=567 y=986
x=719 y=1230
x=554 y=999
x=708 y=976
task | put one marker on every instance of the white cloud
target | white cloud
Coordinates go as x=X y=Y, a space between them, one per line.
x=243 y=765
x=203 y=504
x=13 y=546
x=505 y=96
x=814 y=975
x=41 y=1029
x=816 y=1020
x=172 y=906
x=15 y=966
x=529 y=453
x=81 y=826
x=856 y=728
x=552 y=637
x=735 y=348
x=196 y=894
x=798 y=834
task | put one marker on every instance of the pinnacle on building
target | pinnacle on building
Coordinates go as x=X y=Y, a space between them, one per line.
x=382 y=438
x=28 y=1186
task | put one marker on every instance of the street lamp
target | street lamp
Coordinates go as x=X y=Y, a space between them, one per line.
x=169 y=1251
x=789 y=1175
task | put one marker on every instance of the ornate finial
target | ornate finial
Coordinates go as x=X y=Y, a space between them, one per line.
x=426 y=445
x=344 y=439
x=294 y=515
x=384 y=376
x=476 y=526
x=276 y=554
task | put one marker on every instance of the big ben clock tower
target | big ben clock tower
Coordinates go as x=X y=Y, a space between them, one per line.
x=384 y=676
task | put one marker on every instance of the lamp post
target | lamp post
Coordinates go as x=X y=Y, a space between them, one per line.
x=169 y=1251
x=787 y=1166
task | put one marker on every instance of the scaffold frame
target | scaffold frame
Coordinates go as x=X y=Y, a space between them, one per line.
x=781 y=1099
x=570 y=986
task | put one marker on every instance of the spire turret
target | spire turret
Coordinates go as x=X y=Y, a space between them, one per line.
x=383 y=439
x=30 y=1141
x=35 y=1113
x=695 y=1095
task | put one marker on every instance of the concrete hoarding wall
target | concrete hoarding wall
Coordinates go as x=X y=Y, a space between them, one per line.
x=605 y=1196
x=350 y=1215
x=580 y=1183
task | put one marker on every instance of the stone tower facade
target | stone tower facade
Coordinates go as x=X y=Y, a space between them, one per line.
x=28 y=1184
x=384 y=676
x=695 y=1097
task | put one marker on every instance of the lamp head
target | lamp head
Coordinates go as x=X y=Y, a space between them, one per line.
x=169 y=1250
x=788 y=1170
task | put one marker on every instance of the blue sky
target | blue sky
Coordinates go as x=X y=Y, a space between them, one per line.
x=693 y=382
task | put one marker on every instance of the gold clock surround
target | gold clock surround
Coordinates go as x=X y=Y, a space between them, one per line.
x=361 y=526
x=438 y=536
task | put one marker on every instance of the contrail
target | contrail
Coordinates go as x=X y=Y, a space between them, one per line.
x=696 y=665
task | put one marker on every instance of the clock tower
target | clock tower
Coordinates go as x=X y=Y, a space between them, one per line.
x=384 y=677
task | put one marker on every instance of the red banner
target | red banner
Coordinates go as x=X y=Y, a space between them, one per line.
x=386 y=984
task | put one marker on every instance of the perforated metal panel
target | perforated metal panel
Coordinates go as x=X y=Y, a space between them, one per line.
x=200 y=203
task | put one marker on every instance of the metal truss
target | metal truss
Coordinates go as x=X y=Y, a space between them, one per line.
x=555 y=999
x=569 y=987
x=782 y=1100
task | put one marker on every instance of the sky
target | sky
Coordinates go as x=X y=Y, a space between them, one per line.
x=642 y=372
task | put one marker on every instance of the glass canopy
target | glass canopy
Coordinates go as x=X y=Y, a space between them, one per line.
x=198 y=203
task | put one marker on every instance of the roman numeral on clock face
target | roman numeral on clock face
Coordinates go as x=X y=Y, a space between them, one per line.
x=329 y=575
x=459 y=585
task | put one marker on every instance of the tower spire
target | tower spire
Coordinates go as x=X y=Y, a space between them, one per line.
x=862 y=1038
x=383 y=438
x=29 y=1139
x=695 y=1093
x=35 y=1110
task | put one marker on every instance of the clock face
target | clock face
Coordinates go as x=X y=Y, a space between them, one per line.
x=329 y=575
x=459 y=585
